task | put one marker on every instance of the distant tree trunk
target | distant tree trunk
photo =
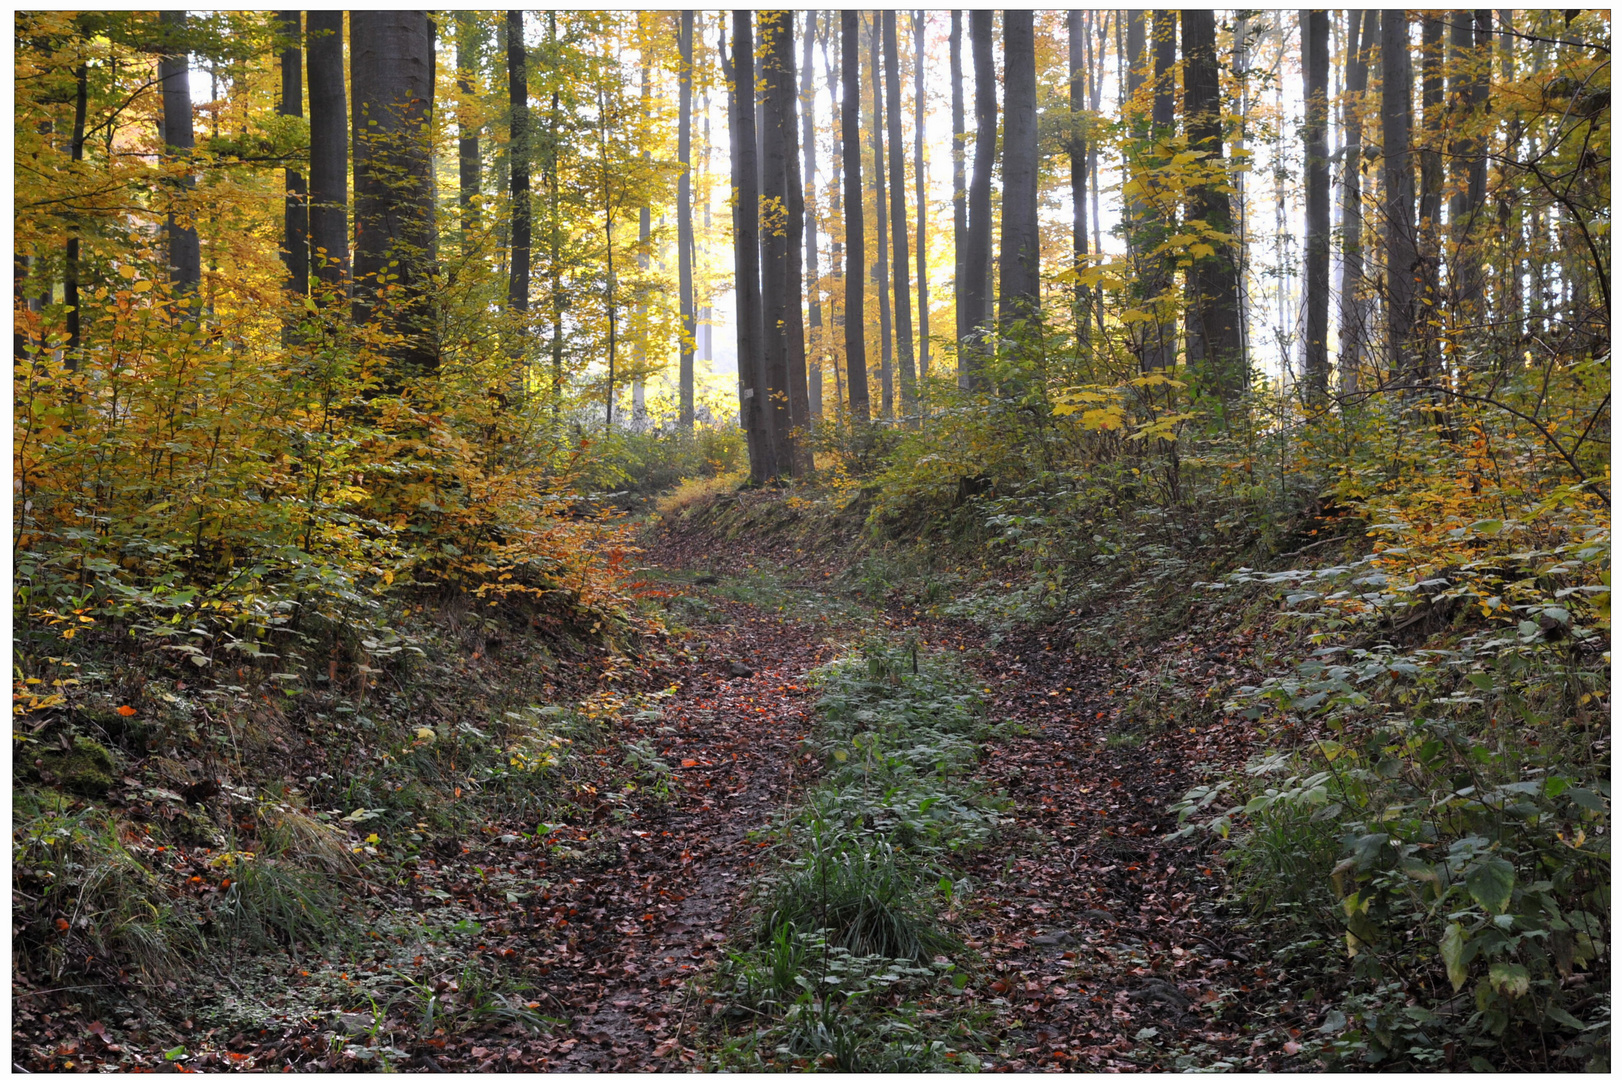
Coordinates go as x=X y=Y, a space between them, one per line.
x=1020 y=289
x=1095 y=67
x=1132 y=203
x=554 y=228
x=1510 y=299
x=644 y=252
x=1160 y=348
x=329 y=149
x=746 y=248
x=921 y=196
x=881 y=271
x=850 y=133
x=836 y=211
x=799 y=404
x=1213 y=281
x=1468 y=96
x=1430 y=174
x=1353 y=309
x=684 y=218
x=977 y=258
x=70 y=269
x=960 y=193
x=1078 y=172
x=898 y=215
x=185 y=254
x=468 y=170
x=391 y=68
x=1315 y=63
x=1402 y=257
x=518 y=150
x=296 y=215
x=808 y=118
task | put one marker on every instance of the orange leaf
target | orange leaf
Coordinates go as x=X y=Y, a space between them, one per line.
x=62 y=925
x=688 y=763
x=126 y=710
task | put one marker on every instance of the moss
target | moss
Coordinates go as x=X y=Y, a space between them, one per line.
x=87 y=769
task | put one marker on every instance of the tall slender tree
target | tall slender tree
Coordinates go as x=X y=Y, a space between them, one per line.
x=519 y=151
x=920 y=198
x=1160 y=349
x=296 y=214
x=329 y=149
x=1019 y=292
x=976 y=297
x=684 y=217
x=1353 y=307
x=786 y=99
x=1315 y=64
x=1401 y=249
x=850 y=132
x=898 y=214
x=1078 y=169
x=808 y=142
x=881 y=270
x=468 y=165
x=752 y=387
x=174 y=71
x=960 y=191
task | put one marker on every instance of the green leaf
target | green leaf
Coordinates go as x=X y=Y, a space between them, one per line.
x=1588 y=800
x=1561 y=1016
x=1453 y=939
x=176 y=1054
x=1491 y=883
x=1511 y=979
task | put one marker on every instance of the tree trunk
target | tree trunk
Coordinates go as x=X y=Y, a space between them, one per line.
x=977 y=259
x=296 y=214
x=1353 y=309
x=1078 y=172
x=392 y=73
x=898 y=215
x=921 y=196
x=1402 y=257
x=185 y=255
x=1213 y=281
x=467 y=142
x=850 y=132
x=779 y=287
x=808 y=118
x=746 y=248
x=960 y=193
x=1156 y=220
x=329 y=149
x=836 y=318
x=1315 y=64
x=1095 y=66
x=881 y=270
x=554 y=228
x=794 y=277
x=1020 y=288
x=684 y=218
x=644 y=246
x=518 y=151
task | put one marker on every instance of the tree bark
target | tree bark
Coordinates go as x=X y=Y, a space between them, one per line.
x=392 y=76
x=1020 y=288
x=850 y=132
x=794 y=277
x=1315 y=64
x=921 y=196
x=185 y=254
x=1353 y=308
x=329 y=149
x=779 y=289
x=296 y=213
x=468 y=169
x=977 y=259
x=746 y=248
x=518 y=149
x=644 y=246
x=684 y=219
x=881 y=270
x=808 y=118
x=1078 y=172
x=70 y=269
x=960 y=192
x=1402 y=257
x=898 y=216
x=1160 y=347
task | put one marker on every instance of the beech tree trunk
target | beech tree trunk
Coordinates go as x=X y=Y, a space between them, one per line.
x=977 y=259
x=469 y=178
x=881 y=270
x=794 y=275
x=684 y=219
x=174 y=71
x=746 y=249
x=1078 y=172
x=921 y=196
x=898 y=215
x=1315 y=64
x=813 y=279
x=518 y=149
x=1019 y=293
x=1353 y=307
x=329 y=149
x=296 y=214
x=960 y=192
x=850 y=133
x=1401 y=251
x=391 y=69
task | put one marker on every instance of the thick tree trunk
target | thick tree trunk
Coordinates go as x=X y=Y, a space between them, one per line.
x=644 y=253
x=468 y=169
x=296 y=213
x=977 y=259
x=1020 y=288
x=554 y=228
x=185 y=254
x=808 y=118
x=392 y=76
x=1401 y=252
x=881 y=269
x=779 y=288
x=518 y=149
x=850 y=132
x=1353 y=308
x=921 y=196
x=1160 y=342
x=1078 y=172
x=1213 y=281
x=746 y=249
x=70 y=269
x=1315 y=64
x=960 y=191
x=794 y=278
x=329 y=149
x=898 y=216
x=684 y=219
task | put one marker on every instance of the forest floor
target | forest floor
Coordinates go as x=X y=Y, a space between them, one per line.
x=1091 y=943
